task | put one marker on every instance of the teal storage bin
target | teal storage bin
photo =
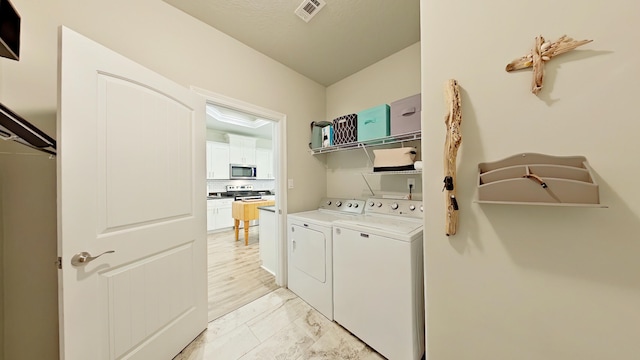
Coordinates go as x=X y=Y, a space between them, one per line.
x=374 y=123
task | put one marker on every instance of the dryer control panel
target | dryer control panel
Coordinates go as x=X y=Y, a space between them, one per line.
x=351 y=206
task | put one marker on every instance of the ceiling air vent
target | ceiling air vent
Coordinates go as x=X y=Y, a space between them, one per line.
x=309 y=8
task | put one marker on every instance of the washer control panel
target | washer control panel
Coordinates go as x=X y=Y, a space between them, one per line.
x=398 y=207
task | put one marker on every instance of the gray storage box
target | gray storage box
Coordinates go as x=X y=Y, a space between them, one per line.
x=405 y=115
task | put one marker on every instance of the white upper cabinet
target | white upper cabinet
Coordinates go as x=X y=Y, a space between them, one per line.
x=217 y=160
x=264 y=163
x=242 y=150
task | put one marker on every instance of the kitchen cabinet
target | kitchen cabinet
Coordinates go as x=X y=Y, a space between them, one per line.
x=219 y=214
x=264 y=163
x=242 y=149
x=217 y=160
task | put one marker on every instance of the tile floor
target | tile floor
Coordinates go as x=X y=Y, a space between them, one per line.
x=279 y=326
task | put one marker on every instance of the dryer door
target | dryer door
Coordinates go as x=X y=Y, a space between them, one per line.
x=307 y=251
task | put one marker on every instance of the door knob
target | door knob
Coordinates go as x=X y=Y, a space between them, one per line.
x=84 y=257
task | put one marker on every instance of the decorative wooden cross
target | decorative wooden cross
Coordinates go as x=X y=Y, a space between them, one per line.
x=452 y=120
x=543 y=51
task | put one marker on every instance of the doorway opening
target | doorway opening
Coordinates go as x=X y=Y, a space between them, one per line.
x=239 y=273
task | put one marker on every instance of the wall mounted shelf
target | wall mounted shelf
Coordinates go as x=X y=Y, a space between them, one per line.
x=406 y=172
x=537 y=179
x=416 y=135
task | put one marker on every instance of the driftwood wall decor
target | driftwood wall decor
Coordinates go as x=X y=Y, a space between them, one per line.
x=543 y=51
x=453 y=119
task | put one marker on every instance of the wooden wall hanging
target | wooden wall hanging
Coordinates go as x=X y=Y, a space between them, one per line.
x=453 y=119
x=543 y=51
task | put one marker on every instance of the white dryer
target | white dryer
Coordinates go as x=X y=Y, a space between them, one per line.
x=378 y=277
x=310 y=251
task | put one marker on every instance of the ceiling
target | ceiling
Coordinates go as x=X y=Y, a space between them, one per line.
x=216 y=113
x=344 y=37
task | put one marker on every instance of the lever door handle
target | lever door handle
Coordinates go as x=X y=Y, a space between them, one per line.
x=84 y=257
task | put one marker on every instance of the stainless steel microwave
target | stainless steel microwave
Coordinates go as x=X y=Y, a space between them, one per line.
x=242 y=172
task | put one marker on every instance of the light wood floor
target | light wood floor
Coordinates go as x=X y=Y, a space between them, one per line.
x=235 y=275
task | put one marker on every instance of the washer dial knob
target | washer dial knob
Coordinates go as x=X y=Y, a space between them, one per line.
x=349 y=204
x=394 y=206
x=371 y=203
x=338 y=203
x=412 y=207
x=379 y=204
x=328 y=202
x=355 y=205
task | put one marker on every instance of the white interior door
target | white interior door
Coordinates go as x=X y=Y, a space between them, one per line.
x=131 y=178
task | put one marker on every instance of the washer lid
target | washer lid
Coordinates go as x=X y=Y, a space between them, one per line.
x=387 y=224
x=321 y=217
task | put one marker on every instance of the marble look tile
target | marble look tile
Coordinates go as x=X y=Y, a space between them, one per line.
x=195 y=350
x=265 y=304
x=314 y=324
x=278 y=326
x=267 y=324
x=337 y=343
x=289 y=343
x=369 y=354
x=231 y=345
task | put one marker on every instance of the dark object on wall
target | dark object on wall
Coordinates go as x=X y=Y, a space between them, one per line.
x=13 y=127
x=9 y=31
x=345 y=129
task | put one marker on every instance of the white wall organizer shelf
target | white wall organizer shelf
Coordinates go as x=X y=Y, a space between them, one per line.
x=538 y=179
x=396 y=139
x=373 y=142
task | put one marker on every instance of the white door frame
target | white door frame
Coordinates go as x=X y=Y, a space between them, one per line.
x=280 y=153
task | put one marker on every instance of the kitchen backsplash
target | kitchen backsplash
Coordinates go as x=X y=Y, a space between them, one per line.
x=220 y=185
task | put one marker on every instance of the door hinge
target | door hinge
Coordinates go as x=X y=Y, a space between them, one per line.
x=59 y=262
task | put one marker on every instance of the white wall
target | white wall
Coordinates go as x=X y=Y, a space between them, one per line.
x=30 y=279
x=2 y=302
x=522 y=282
x=168 y=41
x=393 y=78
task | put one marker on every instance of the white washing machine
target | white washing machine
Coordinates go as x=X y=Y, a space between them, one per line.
x=378 y=277
x=310 y=251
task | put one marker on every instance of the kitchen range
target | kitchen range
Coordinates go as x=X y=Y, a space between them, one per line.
x=243 y=192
